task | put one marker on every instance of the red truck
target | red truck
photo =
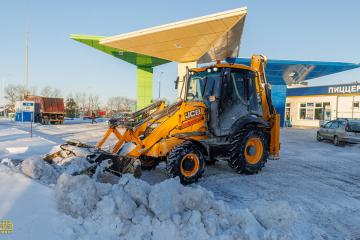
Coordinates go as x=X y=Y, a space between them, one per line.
x=48 y=110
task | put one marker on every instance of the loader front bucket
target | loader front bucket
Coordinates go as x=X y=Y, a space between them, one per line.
x=99 y=160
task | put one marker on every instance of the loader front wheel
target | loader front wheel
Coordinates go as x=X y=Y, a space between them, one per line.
x=249 y=151
x=187 y=162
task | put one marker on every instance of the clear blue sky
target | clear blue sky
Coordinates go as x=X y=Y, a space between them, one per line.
x=300 y=30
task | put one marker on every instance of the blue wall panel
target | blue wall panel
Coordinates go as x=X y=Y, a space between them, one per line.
x=278 y=95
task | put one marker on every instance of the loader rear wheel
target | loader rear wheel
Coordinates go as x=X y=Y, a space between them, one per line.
x=187 y=162
x=249 y=152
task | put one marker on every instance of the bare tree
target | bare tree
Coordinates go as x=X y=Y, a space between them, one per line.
x=81 y=101
x=14 y=93
x=114 y=103
x=46 y=91
x=11 y=94
x=33 y=91
x=56 y=93
x=110 y=105
x=50 y=92
x=93 y=103
x=128 y=103
x=120 y=104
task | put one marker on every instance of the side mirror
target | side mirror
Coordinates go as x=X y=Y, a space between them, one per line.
x=177 y=83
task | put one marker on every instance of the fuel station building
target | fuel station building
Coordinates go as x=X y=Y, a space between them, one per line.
x=310 y=106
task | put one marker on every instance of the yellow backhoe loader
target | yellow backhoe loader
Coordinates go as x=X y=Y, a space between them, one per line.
x=226 y=114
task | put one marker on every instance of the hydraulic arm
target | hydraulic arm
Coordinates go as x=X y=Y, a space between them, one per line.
x=258 y=62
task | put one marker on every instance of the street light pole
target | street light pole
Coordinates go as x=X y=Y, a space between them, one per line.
x=26 y=64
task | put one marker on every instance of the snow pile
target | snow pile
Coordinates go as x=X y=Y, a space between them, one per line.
x=133 y=209
x=7 y=162
x=39 y=169
x=76 y=203
x=76 y=165
x=29 y=205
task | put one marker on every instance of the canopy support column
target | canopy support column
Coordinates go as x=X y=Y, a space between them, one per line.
x=144 y=86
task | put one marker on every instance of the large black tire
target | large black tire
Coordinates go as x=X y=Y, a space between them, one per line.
x=187 y=162
x=249 y=151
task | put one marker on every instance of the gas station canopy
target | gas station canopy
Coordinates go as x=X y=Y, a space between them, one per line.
x=198 y=40
x=130 y=57
x=201 y=39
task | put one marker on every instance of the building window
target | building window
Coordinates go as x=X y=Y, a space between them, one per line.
x=327 y=111
x=355 y=104
x=326 y=104
x=313 y=111
x=319 y=111
x=302 y=111
x=310 y=111
x=287 y=112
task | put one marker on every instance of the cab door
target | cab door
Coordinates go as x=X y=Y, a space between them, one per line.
x=237 y=100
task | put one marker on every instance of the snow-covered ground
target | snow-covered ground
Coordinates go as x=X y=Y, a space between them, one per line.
x=313 y=192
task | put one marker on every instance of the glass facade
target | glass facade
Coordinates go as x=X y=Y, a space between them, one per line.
x=313 y=111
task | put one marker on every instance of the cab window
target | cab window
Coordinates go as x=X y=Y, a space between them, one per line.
x=239 y=89
x=201 y=85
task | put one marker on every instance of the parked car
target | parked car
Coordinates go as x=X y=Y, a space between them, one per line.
x=340 y=132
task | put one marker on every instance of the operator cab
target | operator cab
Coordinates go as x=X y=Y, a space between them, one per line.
x=229 y=94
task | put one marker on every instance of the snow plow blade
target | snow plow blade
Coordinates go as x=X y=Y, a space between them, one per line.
x=100 y=160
